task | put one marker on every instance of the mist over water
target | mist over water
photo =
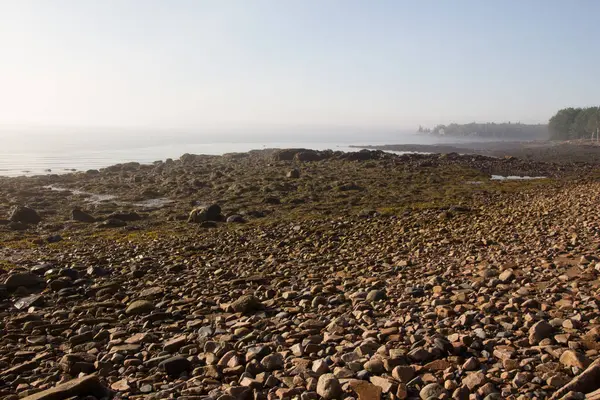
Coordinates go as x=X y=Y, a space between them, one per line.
x=33 y=152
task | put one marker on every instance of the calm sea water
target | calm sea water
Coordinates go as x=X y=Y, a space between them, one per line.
x=34 y=153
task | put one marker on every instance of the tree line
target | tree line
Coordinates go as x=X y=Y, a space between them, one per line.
x=492 y=130
x=574 y=123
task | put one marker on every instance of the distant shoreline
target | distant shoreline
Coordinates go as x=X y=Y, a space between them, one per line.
x=560 y=152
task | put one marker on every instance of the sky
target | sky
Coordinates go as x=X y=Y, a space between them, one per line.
x=357 y=63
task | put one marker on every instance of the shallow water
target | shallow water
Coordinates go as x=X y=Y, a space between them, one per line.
x=90 y=197
x=94 y=198
x=515 y=178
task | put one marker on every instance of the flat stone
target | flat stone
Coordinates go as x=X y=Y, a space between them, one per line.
x=571 y=358
x=365 y=390
x=385 y=384
x=81 y=387
x=139 y=307
x=25 y=279
x=474 y=380
x=175 y=343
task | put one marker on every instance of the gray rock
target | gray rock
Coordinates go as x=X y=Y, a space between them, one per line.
x=376 y=295
x=272 y=362
x=432 y=390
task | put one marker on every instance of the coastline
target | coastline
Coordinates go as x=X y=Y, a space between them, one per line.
x=562 y=152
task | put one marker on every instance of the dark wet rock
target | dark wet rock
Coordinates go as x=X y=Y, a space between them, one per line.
x=81 y=216
x=286 y=154
x=310 y=155
x=175 y=366
x=272 y=200
x=207 y=213
x=17 y=226
x=40 y=269
x=54 y=238
x=23 y=279
x=236 y=218
x=24 y=215
x=125 y=216
x=343 y=187
x=97 y=271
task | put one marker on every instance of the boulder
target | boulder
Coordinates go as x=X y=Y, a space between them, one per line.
x=309 y=155
x=25 y=279
x=293 y=174
x=207 y=213
x=175 y=366
x=236 y=219
x=24 y=215
x=540 y=331
x=81 y=216
x=328 y=387
x=246 y=304
x=376 y=295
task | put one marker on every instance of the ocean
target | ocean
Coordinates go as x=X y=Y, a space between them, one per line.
x=34 y=152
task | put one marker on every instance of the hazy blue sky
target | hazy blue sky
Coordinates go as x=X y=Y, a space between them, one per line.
x=396 y=63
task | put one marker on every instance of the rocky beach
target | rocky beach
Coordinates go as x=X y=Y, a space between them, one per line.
x=301 y=274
